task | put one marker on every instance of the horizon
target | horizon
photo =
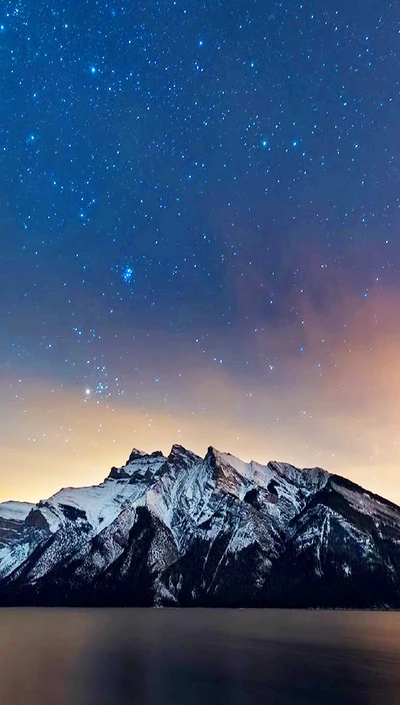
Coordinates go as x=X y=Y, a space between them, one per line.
x=202 y=455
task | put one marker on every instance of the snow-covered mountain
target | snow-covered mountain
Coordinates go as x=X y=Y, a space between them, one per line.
x=186 y=531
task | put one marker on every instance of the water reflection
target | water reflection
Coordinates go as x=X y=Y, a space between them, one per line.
x=188 y=657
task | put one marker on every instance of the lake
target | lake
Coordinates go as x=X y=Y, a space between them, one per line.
x=193 y=657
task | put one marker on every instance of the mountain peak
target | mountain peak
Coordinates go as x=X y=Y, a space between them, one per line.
x=137 y=454
x=182 y=456
x=212 y=453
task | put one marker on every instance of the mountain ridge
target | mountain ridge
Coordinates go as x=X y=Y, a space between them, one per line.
x=181 y=530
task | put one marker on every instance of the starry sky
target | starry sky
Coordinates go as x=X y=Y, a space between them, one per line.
x=199 y=213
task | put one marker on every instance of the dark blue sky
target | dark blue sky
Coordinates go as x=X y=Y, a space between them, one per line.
x=180 y=179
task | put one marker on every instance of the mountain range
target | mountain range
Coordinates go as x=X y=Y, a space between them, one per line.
x=203 y=532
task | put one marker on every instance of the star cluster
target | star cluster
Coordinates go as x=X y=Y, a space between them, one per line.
x=199 y=232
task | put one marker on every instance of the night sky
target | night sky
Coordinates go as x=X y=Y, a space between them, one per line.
x=200 y=211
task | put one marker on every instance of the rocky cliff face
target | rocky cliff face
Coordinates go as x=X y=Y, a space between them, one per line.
x=186 y=531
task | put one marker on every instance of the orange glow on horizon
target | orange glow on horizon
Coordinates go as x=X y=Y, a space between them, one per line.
x=339 y=410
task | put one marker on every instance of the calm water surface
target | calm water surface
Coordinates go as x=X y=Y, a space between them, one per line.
x=188 y=657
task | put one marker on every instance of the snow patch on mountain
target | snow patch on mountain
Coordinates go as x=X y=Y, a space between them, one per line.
x=99 y=505
x=16 y=511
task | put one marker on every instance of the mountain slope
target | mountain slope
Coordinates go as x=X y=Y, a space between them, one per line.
x=186 y=531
